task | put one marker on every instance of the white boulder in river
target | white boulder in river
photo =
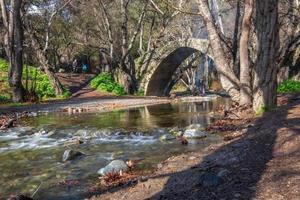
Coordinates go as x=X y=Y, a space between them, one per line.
x=167 y=137
x=115 y=166
x=71 y=155
x=194 y=134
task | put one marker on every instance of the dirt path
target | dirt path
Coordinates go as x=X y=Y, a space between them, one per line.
x=78 y=85
x=264 y=163
x=83 y=99
x=93 y=104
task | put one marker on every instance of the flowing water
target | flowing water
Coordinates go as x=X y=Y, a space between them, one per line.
x=31 y=155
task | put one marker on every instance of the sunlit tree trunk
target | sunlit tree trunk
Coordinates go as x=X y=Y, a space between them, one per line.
x=127 y=64
x=245 y=90
x=229 y=81
x=265 y=71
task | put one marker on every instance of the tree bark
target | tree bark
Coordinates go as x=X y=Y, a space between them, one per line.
x=44 y=62
x=47 y=69
x=14 y=47
x=265 y=71
x=229 y=81
x=127 y=63
x=245 y=78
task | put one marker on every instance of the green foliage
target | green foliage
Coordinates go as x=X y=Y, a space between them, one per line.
x=289 y=86
x=3 y=65
x=265 y=109
x=66 y=94
x=4 y=99
x=104 y=82
x=119 y=90
x=140 y=93
x=33 y=79
x=4 y=87
x=262 y=110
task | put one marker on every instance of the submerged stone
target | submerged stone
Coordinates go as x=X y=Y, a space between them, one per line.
x=116 y=166
x=167 y=137
x=194 y=134
x=176 y=131
x=71 y=155
x=198 y=127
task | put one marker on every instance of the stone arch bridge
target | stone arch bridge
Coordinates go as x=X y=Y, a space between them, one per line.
x=158 y=80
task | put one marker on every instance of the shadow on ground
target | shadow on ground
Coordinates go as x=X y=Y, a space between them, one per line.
x=242 y=162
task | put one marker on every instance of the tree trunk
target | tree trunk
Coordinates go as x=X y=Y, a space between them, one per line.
x=44 y=62
x=245 y=79
x=15 y=52
x=129 y=83
x=50 y=74
x=128 y=76
x=229 y=81
x=265 y=74
x=283 y=74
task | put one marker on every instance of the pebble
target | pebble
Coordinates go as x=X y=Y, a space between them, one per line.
x=159 y=166
x=143 y=179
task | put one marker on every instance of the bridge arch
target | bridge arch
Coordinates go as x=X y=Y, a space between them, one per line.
x=158 y=82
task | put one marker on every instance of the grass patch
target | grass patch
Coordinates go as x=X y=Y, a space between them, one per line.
x=104 y=82
x=289 y=86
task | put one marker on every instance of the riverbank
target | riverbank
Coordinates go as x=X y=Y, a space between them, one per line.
x=83 y=105
x=261 y=162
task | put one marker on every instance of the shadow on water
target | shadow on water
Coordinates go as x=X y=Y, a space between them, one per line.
x=246 y=159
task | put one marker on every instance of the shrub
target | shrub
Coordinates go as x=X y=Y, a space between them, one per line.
x=289 y=86
x=140 y=93
x=4 y=99
x=43 y=87
x=104 y=82
x=32 y=78
x=3 y=65
x=103 y=78
x=119 y=90
x=66 y=94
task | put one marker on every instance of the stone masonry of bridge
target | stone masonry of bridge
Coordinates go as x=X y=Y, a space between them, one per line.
x=157 y=81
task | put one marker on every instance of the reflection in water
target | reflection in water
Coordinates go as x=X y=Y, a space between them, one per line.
x=31 y=154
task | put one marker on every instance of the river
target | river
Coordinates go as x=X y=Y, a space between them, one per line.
x=30 y=155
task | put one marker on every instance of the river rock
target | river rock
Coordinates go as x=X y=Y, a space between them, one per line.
x=114 y=166
x=176 y=131
x=167 y=137
x=143 y=179
x=196 y=126
x=210 y=180
x=194 y=134
x=161 y=131
x=71 y=155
